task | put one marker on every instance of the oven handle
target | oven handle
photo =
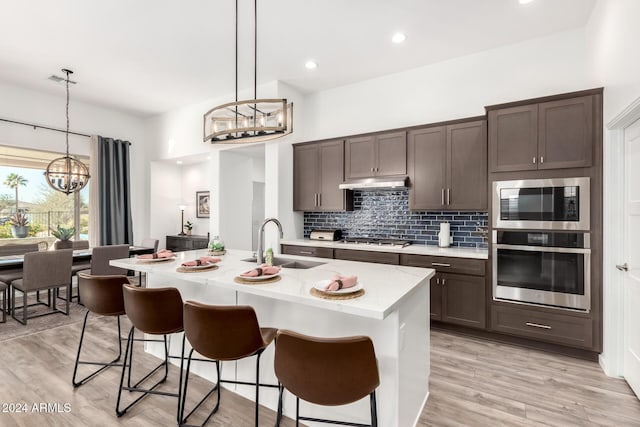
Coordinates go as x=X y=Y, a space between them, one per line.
x=543 y=249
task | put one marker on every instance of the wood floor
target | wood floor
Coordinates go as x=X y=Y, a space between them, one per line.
x=473 y=382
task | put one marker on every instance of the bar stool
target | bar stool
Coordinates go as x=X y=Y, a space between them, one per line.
x=326 y=371
x=153 y=311
x=3 y=289
x=101 y=295
x=224 y=333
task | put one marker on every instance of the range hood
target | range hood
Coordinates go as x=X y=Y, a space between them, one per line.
x=381 y=183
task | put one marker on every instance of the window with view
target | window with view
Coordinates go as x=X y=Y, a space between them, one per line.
x=24 y=190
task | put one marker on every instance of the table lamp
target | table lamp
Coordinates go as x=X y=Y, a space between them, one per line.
x=182 y=208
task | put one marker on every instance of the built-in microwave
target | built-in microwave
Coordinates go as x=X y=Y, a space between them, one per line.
x=542 y=204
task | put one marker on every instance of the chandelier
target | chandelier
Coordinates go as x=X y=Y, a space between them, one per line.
x=251 y=120
x=67 y=174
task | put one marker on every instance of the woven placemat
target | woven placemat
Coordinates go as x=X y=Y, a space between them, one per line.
x=196 y=270
x=242 y=281
x=154 y=260
x=317 y=293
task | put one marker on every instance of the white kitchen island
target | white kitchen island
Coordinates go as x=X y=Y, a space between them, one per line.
x=394 y=312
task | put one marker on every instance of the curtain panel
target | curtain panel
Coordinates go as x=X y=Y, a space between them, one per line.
x=116 y=225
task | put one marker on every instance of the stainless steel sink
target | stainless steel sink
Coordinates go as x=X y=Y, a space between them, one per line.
x=290 y=263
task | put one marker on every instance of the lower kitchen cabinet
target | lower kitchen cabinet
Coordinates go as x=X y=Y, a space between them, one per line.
x=186 y=243
x=367 y=256
x=307 y=251
x=458 y=299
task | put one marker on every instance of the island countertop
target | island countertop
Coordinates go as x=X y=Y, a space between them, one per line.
x=386 y=286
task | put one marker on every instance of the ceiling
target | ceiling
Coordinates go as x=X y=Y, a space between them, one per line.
x=150 y=56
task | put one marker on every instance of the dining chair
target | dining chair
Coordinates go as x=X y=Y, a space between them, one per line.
x=150 y=243
x=42 y=271
x=3 y=290
x=9 y=275
x=224 y=333
x=326 y=371
x=100 y=257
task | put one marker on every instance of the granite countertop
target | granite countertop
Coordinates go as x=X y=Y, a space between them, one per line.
x=452 y=251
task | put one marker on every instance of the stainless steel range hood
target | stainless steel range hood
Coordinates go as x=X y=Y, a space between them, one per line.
x=382 y=183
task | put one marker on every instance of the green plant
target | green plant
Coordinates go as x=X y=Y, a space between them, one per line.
x=64 y=233
x=14 y=180
x=188 y=225
x=19 y=220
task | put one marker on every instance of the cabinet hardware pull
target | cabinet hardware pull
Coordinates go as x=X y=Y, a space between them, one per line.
x=442 y=196
x=623 y=267
x=443 y=281
x=534 y=160
x=541 y=159
x=371 y=169
x=437 y=280
x=306 y=252
x=448 y=196
x=319 y=199
x=315 y=199
x=440 y=264
x=377 y=169
x=537 y=325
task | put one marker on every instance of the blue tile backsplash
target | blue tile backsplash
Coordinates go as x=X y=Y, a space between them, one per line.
x=386 y=214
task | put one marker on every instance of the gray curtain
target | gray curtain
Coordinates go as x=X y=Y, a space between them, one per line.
x=115 y=196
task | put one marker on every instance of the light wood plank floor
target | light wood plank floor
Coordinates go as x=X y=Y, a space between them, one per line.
x=473 y=382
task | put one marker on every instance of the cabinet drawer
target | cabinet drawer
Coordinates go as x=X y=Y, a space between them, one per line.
x=307 y=251
x=367 y=256
x=543 y=326
x=474 y=267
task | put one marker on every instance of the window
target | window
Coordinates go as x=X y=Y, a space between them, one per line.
x=22 y=175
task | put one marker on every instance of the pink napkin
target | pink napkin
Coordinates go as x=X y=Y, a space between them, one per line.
x=340 y=282
x=263 y=270
x=203 y=260
x=164 y=253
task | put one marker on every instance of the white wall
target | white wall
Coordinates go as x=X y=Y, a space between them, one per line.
x=453 y=89
x=165 y=195
x=612 y=36
x=21 y=104
x=195 y=177
x=236 y=193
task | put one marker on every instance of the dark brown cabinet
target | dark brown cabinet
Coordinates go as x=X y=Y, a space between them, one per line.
x=548 y=135
x=376 y=155
x=318 y=169
x=179 y=243
x=448 y=167
x=307 y=251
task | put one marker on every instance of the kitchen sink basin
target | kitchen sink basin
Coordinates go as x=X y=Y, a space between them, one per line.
x=290 y=263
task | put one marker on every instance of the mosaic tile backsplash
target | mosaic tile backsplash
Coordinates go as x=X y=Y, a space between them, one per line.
x=386 y=214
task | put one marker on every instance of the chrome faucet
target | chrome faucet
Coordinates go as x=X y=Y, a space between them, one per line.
x=260 y=254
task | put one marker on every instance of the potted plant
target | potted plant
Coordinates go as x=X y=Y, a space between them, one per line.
x=188 y=226
x=19 y=225
x=64 y=236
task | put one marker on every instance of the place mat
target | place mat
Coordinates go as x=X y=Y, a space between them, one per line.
x=326 y=295
x=196 y=270
x=242 y=281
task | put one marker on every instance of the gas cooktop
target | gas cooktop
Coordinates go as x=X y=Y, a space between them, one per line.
x=376 y=241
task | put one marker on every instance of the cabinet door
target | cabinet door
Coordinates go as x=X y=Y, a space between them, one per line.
x=565 y=133
x=391 y=154
x=513 y=139
x=331 y=175
x=306 y=172
x=426 y=164
x=467 y=166
x=360 y=157
x=463 y=300
x=436 y=298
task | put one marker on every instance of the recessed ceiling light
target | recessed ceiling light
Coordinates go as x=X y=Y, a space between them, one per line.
x=178 y=162
x=525 y=1
x=399 y=37
x=311 y=65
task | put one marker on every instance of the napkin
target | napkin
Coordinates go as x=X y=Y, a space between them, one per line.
x=203 y=260
x=263 y=270
x=340 y=282
x=164 y=253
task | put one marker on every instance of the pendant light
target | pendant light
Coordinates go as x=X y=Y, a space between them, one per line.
x=251 y=120
x=67 y=174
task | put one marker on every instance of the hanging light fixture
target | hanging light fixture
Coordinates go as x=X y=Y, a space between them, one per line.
x=67 y=174
x=251 y=120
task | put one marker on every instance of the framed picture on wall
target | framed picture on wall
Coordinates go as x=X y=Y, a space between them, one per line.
x=202 y=204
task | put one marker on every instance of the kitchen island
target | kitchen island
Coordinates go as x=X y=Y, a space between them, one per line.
x=394 y=312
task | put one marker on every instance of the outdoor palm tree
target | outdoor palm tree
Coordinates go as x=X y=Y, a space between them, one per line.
x=14 y=181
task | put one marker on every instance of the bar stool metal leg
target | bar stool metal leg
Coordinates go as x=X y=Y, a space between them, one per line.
x=105 y=365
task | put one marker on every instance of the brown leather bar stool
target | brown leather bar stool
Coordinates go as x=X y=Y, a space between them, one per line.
x=326 y=371
x=153 y=311
x=3 y=289
x=224 y=333
x=101 y=295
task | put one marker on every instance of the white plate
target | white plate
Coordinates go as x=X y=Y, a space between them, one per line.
x=199 y=267
x=155 y=259
x=321 y=285
x=259 y=278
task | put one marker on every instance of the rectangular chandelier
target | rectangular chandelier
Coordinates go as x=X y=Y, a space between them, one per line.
x=248 y=121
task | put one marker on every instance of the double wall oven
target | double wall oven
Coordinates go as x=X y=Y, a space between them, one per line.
x=541 y=242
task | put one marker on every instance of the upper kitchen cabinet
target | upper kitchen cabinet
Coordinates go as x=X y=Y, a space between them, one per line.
x=548 y=135
x=376 y=155
x=318 y=169
x=448 y=167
